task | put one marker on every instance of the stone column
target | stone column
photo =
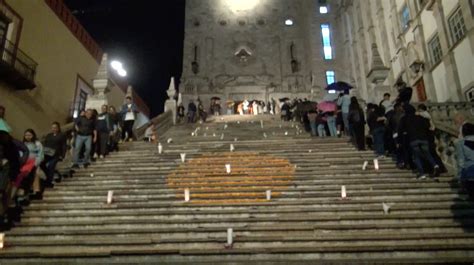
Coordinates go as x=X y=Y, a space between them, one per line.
x=101 y=85
x=170 y=104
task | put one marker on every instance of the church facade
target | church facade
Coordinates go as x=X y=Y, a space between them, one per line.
x=264 y=49
x=257 y=52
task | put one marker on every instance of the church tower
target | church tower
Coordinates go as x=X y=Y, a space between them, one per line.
x=257 y=49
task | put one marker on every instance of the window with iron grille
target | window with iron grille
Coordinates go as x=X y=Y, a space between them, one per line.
x=435 y=50
x=457 y=26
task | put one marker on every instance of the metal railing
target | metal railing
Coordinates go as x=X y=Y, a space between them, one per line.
x=18 y=60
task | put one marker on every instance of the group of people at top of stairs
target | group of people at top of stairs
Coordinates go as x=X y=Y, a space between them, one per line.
x=194 y=113
x=28 y=167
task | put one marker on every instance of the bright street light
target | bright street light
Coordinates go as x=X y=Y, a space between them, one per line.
x=122 y=72
x=116 y=65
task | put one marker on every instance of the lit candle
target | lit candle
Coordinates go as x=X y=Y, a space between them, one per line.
x=343 y=192
x=364 y=167
x=376 y=164
x=230 y=235
x=227 y=168
x=186 y=195
x=160 y=148
x=183 y=157
x=232 y=148
x=269 y=195
x=110 y=196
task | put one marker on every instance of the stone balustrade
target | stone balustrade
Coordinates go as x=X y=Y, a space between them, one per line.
x=446 y=131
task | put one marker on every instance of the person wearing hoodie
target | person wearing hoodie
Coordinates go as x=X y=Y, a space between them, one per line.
x=417 y=129
x=465 y=159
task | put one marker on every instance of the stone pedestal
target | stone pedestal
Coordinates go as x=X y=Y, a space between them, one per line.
x=170 y=104
x=101 y=87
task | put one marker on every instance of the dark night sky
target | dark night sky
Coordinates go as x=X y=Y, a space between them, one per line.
x=147 y=36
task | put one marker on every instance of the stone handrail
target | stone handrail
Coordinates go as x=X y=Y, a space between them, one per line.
x=162 y=123
x=447 y=132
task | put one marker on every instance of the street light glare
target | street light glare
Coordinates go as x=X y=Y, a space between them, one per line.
x=122 y=72
x=116 y=65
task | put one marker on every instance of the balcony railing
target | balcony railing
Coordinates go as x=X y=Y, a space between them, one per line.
x=17 y=68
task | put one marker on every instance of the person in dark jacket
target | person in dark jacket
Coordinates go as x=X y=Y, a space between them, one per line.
x=104 y=129
x=376 y=120
x=86 y=134
x=404 y=94
x=115 y=134
x=417 y=130
x=192 y=109
x=129 y=115
x=9 y=169
x=357 y=124
x=54 y=148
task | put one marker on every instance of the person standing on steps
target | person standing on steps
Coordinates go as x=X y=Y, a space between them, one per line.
x=357 y=124
x=417 y=130
x=86 y=134
x=376 y=120
x=54 y=147
x=465 y=159
x=129 y=114
x=104 y=130
x=344 y=101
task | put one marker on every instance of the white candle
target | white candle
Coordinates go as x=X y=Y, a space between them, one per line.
x=364 y=167
x=376 y=164
x=343 y=192
x=261 y=123
x=222 y=136
x=264 y=135
x=92 y=175
x=186 y=195
x=110 y=196
x=183 y=157
x=192 y=134
x=269 y=195
x=225 y=126
x=232 y=148
x=160 y=148
x=2 y=238
x=286 y=133
x=230 y=236
x=227 y=168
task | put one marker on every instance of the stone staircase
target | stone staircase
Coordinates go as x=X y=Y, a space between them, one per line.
x=306 y=221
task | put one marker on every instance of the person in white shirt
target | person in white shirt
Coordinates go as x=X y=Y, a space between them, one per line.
x=386 y=103
x=129 y=112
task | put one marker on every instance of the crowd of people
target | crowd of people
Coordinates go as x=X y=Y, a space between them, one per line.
x=29 y=166
x=398 y=130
